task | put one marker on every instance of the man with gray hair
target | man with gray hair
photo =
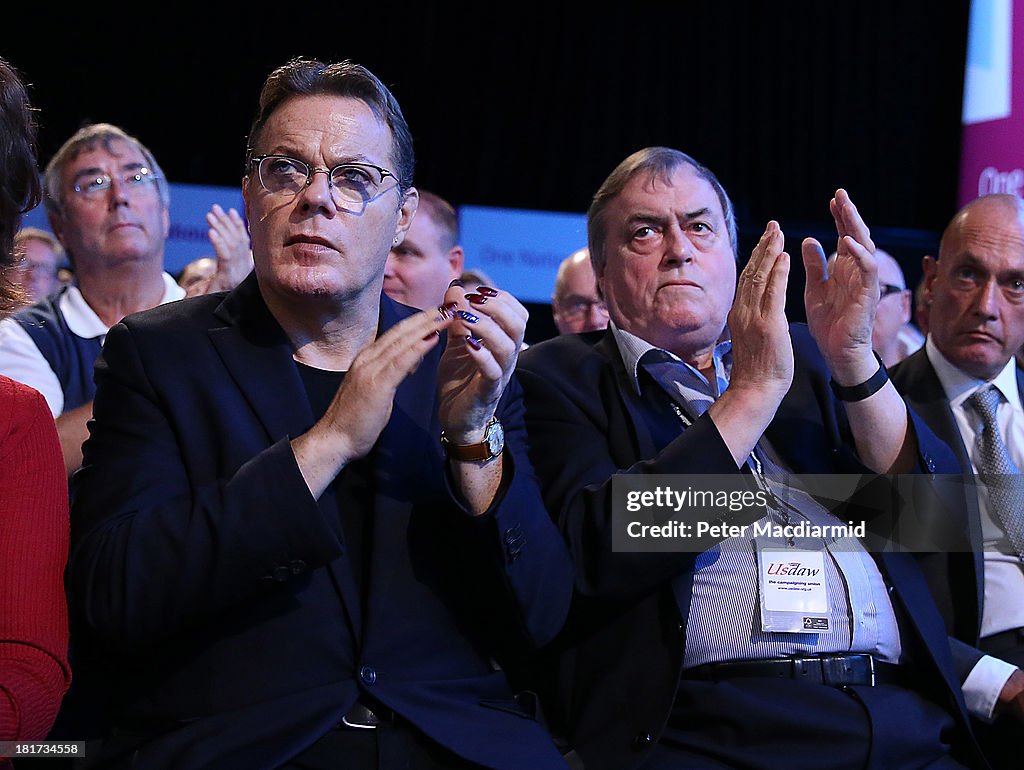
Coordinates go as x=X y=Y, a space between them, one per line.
x=107 y=201
x=690 y=654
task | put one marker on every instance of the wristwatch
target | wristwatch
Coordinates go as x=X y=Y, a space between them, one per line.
x=489 y=448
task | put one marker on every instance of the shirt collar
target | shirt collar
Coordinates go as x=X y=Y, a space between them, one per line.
x=959 y=385
x=633 y=348
x=82 y=319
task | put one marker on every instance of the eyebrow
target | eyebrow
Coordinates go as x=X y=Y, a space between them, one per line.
x=96 y=170
x=294 y=153
x=688 y=216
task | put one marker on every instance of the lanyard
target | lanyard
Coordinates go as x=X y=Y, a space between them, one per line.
x=781 y=507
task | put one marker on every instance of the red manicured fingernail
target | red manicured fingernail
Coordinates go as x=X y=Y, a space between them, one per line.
x=474 y=342
x=476 y=299
x=487 y=291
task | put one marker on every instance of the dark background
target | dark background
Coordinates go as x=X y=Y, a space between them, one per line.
x=532 y=106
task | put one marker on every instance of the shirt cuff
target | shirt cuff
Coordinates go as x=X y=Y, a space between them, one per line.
x=983 y=685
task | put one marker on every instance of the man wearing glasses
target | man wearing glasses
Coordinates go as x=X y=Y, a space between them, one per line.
x=575 y=304
x=107 y=202
x=894 y=337
x=306 y=531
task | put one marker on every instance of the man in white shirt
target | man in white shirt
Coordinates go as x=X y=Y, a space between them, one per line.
x=975 y=295
x=108 y=203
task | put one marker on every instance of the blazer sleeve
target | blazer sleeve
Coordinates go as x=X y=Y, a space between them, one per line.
x=153 y=552
x=517 y=539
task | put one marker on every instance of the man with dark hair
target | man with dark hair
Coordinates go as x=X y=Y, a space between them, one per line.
x=306 y=531
x=695 y=655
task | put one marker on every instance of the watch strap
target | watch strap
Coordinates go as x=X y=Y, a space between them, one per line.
x=477 y=452
x=869 y=387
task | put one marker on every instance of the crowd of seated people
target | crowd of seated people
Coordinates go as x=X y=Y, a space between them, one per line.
x=314 y=503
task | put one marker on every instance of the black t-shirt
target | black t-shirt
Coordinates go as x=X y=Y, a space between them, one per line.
x=353 y=486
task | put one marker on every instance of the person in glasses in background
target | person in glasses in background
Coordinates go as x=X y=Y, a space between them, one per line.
x=39 y=256
x=107 y=202
x=894 y=337
x=575 y=304
x=306 y=531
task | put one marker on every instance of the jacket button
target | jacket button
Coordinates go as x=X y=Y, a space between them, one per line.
x=367 y=674
x=281 y=573
x=643 y=740
x=297 y=566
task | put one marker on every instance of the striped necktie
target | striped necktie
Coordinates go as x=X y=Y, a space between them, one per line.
x=998 y=471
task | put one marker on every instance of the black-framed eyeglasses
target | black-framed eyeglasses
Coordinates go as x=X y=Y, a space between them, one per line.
x=888 y=288
x=352 y=184
x=96 y=185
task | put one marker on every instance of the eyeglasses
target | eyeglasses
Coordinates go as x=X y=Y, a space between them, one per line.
x=888 y=288
x=94 y=186
x=353 y=184
x=578 y=307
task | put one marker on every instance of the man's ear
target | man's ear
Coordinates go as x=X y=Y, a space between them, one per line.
x=930 y=267
x=456 y=260
x=905 y=306
x=410 y=203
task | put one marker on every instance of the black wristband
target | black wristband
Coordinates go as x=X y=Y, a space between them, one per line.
x=869 y=387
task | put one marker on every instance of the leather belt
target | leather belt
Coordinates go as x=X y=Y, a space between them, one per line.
x=364 y=717
x=832 y=670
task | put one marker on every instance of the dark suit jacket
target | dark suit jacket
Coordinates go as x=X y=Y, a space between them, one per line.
x=957 y=576
x=621 y=654
x=219 y=593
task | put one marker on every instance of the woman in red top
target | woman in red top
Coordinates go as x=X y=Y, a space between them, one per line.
x=34 y=671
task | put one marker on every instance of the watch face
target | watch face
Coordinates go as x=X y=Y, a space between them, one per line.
x=495 y=439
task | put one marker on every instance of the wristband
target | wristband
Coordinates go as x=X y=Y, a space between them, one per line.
x=869 y=387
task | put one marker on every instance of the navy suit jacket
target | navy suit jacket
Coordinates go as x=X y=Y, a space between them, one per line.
x=217 y=594
x=957 y=577
x=618 y=662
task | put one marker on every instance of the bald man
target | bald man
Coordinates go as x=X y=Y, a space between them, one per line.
x=894 y=337
x=575 y=304
x=964 y=377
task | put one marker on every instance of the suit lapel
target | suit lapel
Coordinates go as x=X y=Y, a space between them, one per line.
x=914 y=596
x=651 y=433
x=920 y=386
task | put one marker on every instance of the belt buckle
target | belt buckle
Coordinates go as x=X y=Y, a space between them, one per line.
x=359 y=710
x=842 y=670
